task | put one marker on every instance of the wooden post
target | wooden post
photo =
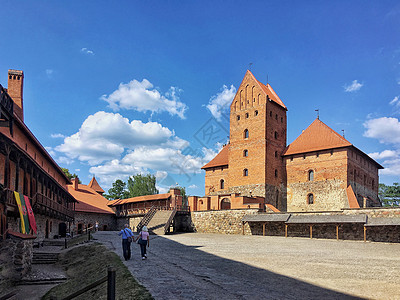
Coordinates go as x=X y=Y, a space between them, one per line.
x=337 y=232
x=286 y=226
x=263 y=229
x=365 y=233
x=111 y=284
x=242 y=228
x=310 y=231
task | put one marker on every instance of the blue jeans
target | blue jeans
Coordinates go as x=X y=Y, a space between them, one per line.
x=143 y=248
x=126 y=249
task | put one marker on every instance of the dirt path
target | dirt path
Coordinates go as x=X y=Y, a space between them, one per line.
x=211 y=266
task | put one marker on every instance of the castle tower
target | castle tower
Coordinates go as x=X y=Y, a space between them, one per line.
x=15 y=90
x=257 y=141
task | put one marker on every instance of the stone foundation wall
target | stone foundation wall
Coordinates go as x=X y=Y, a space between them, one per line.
x=15 y=258
x=221 y=221
x=106 y=221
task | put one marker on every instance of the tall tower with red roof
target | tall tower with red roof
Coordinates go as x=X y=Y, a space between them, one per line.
x=251 y=164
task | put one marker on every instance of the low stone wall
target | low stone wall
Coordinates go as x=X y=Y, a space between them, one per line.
x=230 y=222
x=106 y=221
x=15 y=258
x=221 y=221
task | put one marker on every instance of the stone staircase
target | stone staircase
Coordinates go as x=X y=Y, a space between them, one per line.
x=44 y=258
x=159 y=220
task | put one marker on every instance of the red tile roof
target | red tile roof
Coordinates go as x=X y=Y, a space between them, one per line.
x=221 y=159
x=95 y=185
x=89 y=200
x=139 y=199
x=269 y=91
x=318 y=136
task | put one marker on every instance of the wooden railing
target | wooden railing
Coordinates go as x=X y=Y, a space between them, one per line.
x=146 y=219
x=9 y=198
x=40 y=201
x=171 y=217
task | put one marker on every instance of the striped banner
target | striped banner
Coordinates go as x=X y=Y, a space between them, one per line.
x=31 y=216
x=22 y=212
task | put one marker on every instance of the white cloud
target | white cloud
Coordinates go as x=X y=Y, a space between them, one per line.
x=49 y=73
x=193 y=186
x=220 y=102
x=104 y=136
x=87 y=51
x=63 y=160
x=143 y=97
x=353 y=87
x=386 y=130
x=57 y=135
x=384 y=154
x=395 y=101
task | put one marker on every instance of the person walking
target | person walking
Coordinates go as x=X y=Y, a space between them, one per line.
x=144 y=241
x=127 y=235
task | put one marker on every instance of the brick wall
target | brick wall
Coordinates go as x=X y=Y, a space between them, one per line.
x=106 y=221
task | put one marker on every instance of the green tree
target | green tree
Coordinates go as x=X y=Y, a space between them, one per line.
x=69 y=175
x=118 y=191
x=389 y=194
x=141 y=185
x=184 y=196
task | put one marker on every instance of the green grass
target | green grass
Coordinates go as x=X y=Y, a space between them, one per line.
x=88 y=263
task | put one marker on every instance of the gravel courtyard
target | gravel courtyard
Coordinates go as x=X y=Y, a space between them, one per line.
x=214 y=266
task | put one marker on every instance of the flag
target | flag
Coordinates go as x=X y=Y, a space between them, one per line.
x=21 y=213
x=25 y=213
x=31 y=216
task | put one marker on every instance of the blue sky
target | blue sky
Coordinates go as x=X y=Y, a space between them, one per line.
x=119 y=88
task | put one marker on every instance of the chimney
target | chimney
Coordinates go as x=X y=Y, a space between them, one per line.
x=75 y=182
x=15 y=90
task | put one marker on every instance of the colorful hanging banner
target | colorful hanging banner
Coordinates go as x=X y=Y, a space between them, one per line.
x=31 y=216
x=21 y=213
x=25 y=212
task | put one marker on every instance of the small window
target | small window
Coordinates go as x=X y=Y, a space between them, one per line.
x=276 y=153
x=256 y=113
x=246 y=134
x=317 y=154
x=248 y=102
x=311 y=175
x=331 y=152
x=276 y=135
x=276 y=173
x=238 y=117
x=310 y=199
x=18 y=77
x=281 y=120
x=26 y=147
x=276 y=117
x=245 y=172
x=270 y=113
x=10 y=77
x=246 y=115
x=246 y=153
x=222 y=184
x=304 y=156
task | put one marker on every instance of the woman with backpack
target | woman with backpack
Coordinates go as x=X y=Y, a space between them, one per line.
x=144 y=241
x=127 y=236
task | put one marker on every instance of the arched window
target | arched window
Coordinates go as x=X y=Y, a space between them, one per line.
x=246 y=134
x=246 y=115
x=311 y=175
x=245 y=172
x=222 y=184
x=310 y=199
x=256 y=113
x=238 y=117
x=245 y=153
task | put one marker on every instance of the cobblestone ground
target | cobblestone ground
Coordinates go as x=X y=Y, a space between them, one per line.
x=213 y=266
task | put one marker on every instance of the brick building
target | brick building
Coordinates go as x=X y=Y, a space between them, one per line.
x=91 y=207
x=28 y=172
x=320 y=170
